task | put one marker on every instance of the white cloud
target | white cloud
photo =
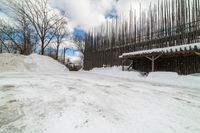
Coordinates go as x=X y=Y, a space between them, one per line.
x=84 y=13
x=90 y=13
x=123 y=6
x=3 y=15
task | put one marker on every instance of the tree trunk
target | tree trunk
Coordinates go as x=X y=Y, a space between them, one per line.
x=1 y=50
x=42 y=48
x=57 y=50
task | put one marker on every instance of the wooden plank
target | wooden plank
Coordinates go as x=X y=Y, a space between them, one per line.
x=197 y=53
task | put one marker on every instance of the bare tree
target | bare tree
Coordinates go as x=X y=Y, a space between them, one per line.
x=80 y=44
x=60 y=35
x=43 y=18
x=3 y=46
x=37 y=15
x=10 y=34
x=27 y=32
x=20 y=31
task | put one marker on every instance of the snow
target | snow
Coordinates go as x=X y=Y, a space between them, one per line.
x=116 y=72
x=164 y=50
x=104 y=100
x=164 y=78
x=31 y=63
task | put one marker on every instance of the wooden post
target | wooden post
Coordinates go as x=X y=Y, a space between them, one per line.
x=153 y=64
x=123 y=60
x=153 y=59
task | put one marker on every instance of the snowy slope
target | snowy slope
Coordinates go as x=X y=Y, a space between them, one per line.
x=31 y=63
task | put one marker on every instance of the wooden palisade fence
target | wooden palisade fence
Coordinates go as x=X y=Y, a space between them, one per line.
x=169 y=23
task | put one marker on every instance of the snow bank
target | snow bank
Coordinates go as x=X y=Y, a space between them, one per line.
x=165 y=78
x=173 y=78
x=31 y=63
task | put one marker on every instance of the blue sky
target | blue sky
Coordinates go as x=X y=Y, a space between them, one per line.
x=111 y=13
x=80 y=32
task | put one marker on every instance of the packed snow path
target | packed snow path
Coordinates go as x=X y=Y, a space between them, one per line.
x=84 y=102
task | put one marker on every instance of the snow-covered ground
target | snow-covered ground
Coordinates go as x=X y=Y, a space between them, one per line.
x=98 y=101
x=164 y=78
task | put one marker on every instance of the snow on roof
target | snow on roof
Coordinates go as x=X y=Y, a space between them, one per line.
x=164 y=50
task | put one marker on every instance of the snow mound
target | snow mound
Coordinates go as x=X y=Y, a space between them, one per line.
x=31 y=63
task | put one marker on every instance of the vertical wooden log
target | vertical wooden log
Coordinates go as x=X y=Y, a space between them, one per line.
x=153 y=63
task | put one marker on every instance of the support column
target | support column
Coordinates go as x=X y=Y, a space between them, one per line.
x=153 y=59
x=153 y=64
x=123 y=60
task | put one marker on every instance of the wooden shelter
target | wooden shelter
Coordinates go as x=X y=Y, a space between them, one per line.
x=169 y=52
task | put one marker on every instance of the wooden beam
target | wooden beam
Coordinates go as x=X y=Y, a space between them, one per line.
x=149 y=57
x=197 y=53
x=130 y=65
x=153 y=57
x=158 y=56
